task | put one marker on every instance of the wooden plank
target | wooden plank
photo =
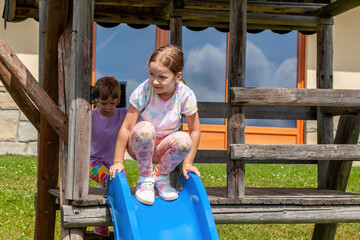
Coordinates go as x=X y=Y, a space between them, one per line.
x=20 y=97
x=334 y=8
x=220 y=156
x=211 y=156
x=344 y=152
x=281 y=112
x=219 y=110
x=290 y=216
x=236 y=73
x=295 y=97
x=48 y=153
x=42 y=100
x=336 y=111
x=77 y=181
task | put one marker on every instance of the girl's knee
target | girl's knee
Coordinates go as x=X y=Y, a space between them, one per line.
x=183 y=142
x=143 y=130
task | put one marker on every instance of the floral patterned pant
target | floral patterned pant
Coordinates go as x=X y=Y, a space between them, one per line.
x=167 y=152
x=99 y=172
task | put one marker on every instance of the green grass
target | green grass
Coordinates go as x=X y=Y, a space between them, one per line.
x=18 y=186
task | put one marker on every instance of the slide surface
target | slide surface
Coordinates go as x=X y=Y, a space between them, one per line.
x=188 y=217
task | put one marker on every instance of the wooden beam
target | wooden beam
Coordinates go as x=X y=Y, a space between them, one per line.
x=77 y=182
x=334 y=8
x=176 y=31
x=338 y=172
x=28 y=83
x=261 y=15
x=255 y=6
x=343 y=152
x=11 y=7
x=133 y=3
x=295 y=97
x=48 y=156
x=20 y=97
x=219 y=110
x=236 y=73
x=288 y=215
x=231 y=214
x=347 y=132
x=253 y=18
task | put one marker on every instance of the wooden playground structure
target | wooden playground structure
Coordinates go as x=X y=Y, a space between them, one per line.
x=58 y=106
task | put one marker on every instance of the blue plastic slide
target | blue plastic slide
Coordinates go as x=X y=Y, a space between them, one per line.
x=188 y=217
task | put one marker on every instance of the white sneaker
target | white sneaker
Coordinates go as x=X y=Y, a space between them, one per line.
x=166 y=191
x=145 y=190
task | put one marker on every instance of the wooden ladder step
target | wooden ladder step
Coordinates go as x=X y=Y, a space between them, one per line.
x=310 y=152
x=295 y=97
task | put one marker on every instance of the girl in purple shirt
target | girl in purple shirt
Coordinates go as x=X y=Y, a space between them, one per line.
x=105 y=125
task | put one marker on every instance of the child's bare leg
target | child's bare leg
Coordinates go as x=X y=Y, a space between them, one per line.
x=171 y=151
x=141 y=146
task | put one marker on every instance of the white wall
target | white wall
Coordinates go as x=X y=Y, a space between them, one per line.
x=17 y=135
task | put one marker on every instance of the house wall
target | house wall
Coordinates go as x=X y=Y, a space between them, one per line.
x=346 y=33
x=17 y=134
x=20 y=137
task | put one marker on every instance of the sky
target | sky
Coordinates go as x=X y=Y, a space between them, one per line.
x=271 y=61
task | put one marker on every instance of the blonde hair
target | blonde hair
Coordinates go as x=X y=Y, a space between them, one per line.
x=171 y=56
x=109 y=87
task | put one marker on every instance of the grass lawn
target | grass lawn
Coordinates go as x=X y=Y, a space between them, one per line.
x=18 y=186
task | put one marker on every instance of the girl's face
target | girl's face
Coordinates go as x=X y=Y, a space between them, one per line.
x=163 y=80
x=107 y=107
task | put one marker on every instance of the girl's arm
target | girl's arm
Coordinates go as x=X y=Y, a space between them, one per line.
x=194 y=129
x=122 y=140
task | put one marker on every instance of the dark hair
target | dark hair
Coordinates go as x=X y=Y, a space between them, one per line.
x=109 y=87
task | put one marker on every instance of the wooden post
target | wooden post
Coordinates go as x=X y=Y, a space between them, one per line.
x=325 y=135
x=236 y=117
x=176 y=39
x=324 y=79
x=77 y=180
x=176 y=31
x=48 y=156
x=64 y=53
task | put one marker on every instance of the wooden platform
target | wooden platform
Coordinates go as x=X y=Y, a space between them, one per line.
x=260 y=205
x=262 y=196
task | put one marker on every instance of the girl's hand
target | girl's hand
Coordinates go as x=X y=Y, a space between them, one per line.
x=116 y=167
x=188 y=167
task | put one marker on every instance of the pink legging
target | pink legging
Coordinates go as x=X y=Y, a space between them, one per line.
x=167 y=152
